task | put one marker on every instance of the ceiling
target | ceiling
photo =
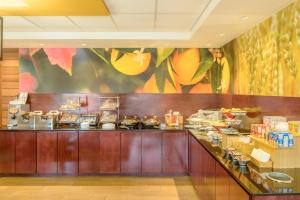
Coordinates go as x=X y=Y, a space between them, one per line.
x=145 y=23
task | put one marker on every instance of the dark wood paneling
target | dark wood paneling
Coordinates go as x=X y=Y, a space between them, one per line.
x=236 y=192
x=270 y=105
x=7 y=152
x=222 y=183
x=281 y=197
x=134 y=104
x=47 y=152
x=195 y=159
x=68 y=152
x=26 y=152
x=131 y=152
x=110 y=152
x=152 y=152
x=89 y=152
x=175 y=153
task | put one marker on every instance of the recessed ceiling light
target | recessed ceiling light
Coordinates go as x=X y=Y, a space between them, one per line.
x=244 y=18
x=83 y=44
x=12 y=3
x=208 y=45
x=221 y=34
x=42 y=44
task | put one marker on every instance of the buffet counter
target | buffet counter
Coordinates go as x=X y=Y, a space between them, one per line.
x=222 y=178
x=136 y=152
x=93 y=151
x=89 y=129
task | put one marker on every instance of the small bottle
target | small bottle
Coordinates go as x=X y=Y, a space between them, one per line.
x=285 y=140
x=291 y=140
x=280 y=140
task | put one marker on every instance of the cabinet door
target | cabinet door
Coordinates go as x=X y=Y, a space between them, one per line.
x=222 y=183
x=210 y=177
x=110 y=153
x=25 y=152
x=152 y=152
x=68 y=152
x=131 y=152
x=175 y=153
x=89 y=152
x=7 y=152
x=236 y=192
x=195 y=163
x=47 y=152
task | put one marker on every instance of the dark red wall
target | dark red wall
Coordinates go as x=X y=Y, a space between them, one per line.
x=187 y=104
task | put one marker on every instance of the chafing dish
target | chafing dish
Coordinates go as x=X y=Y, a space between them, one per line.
x=130 y=122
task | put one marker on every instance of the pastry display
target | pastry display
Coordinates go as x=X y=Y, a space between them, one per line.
x=107 y=116
x=70 y=105
x=68 y=118
x=109 y=104
x=90 y=119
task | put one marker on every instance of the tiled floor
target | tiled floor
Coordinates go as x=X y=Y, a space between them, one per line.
x=96 y=188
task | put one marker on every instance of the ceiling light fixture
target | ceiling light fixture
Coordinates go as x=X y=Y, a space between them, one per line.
x=12 y=3
x=221 y=34
x=83 y=44
x=42 y=44
x=244 y=18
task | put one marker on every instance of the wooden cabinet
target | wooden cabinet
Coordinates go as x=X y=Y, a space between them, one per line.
x=236 y=192
x=68 y=152
x=222 y=183
x=7 y=152
x=26 y=152
x=211 y=180
x=152 y=152
x=131 y=152
x=206 y=175
x=110 y=152
x=195 y=163
x=47 y=152
x=89 y=152
x=175 y=153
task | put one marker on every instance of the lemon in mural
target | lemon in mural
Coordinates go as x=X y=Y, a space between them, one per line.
x=133 y=63
x=201 y=88
x=151 y=86
x=185 y=65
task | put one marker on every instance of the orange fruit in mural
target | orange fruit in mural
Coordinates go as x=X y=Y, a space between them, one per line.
x=133 y=63
x=201 y=88
x=185 y=65
x=151 y=86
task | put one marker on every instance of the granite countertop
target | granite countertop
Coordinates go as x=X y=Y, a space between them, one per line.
x=89 y=129
x=242 y=175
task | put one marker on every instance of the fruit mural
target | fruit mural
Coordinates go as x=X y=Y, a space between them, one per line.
x=266 y=59
x=124 y=70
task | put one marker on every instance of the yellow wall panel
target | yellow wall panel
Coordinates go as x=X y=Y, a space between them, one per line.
x=58 y=8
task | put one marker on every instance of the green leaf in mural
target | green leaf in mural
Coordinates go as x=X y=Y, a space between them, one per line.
x=171 y=72
x=162 y=74
x=100 y=53
x=162 y=54
x=160 y=78
x=205 y=64
x=119 y=55
x=216 y=76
